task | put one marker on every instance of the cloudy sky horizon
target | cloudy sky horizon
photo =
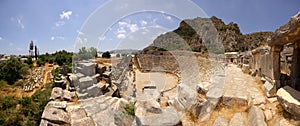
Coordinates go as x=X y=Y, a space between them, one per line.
x=55 y=25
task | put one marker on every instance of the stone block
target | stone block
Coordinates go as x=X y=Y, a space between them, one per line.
x=55 y=115
x=85 y=82
x=93 y=91
x=269 y=89
x=256 y=117
x=56 y=93
x=57 y=104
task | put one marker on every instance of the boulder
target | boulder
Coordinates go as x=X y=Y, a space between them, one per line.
x=289 y=99
x=256 y=117
x=237 y=120
x=269 y=89
x=88 y=69
x=220 y=121
x=55 y=115
x=56 y=93
x=93 y=91
x=150 y=113
x=85 y=82
x=66 y=95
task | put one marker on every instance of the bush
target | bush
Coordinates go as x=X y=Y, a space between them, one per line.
x=106 y=55
x=129 y=108
x=12 y=70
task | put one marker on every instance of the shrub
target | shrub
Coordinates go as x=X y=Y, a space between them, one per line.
x=129 y=108
x=106 y=54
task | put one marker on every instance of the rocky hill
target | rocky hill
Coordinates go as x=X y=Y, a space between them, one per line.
x=203 y=34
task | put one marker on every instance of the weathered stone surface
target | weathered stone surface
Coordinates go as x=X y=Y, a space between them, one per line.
x=88 y=69
x=269 y=89
x=159 y=117
x=107 y=110
x=256 y=117
x=55 y=115
x=185 y=98
x=268 y=114
x=232 y=96
x=57 y=104
x=257 y=97
x=56 y=93
x=85 y=82
x=289 y=99
x=237 y=120
x=93 y=91
x=47 y=123
x=87 y=121
x=202 y=87
x=66 y=95
x=220 y=121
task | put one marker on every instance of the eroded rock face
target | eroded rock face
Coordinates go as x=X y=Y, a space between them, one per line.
x=289 y=99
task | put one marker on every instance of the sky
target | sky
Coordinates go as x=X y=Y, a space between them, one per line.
x=68 y=24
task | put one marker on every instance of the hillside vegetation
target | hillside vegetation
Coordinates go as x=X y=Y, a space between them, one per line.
x=207 y=34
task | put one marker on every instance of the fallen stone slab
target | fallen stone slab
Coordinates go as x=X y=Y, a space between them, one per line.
x=256 y=117
x=47 y=123
x=289 y=99
x=232 y=96
x=220 y=121
x=87 y=121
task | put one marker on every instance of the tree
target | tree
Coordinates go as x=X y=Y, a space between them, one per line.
x=11 y=70
x=106 y=55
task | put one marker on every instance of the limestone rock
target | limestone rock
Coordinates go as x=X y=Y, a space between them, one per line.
x=268 y=114
x=55 y=115
x=220 y=121
x=85 y=82
x=269 y=89
x=56 y=93
x=165 y=116
x=232 y=96
x=237 y=120
x=87 y=121
x=256 y=117
x=57 y=104
x=289 y=99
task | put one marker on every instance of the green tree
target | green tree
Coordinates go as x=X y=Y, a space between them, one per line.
x=11 y=70
x=106 y=55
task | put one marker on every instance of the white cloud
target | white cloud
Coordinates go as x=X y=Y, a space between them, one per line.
x=57 y=37
x=79 y=32
x=143 y=23
x=133 y=27
x=1 y=38
x=59 y=23
x=19 y=20
x=121 y=30
x=122 y=24
x=66 y=15
x=121 y=36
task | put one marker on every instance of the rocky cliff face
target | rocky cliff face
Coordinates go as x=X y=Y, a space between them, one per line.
x=203 y=34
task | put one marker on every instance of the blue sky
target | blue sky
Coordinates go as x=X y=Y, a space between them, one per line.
x=60 y=24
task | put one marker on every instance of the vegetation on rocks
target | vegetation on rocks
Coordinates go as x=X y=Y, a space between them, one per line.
x=129 y=109
x=24 y=111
